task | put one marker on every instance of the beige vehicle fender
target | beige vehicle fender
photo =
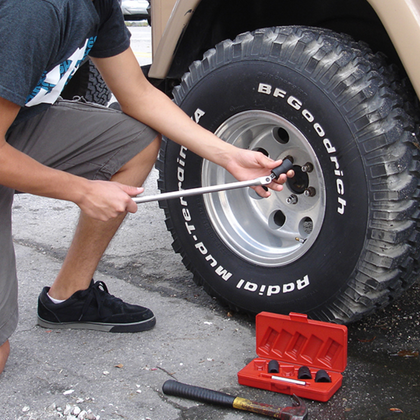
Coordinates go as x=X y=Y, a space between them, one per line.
x=401 y=19
x=167 y=28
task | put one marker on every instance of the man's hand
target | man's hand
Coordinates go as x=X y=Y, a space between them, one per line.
x=248 y=164
x=106 y=200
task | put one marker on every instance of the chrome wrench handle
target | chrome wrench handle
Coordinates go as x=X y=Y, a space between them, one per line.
x=286 y=165
x=264 y=180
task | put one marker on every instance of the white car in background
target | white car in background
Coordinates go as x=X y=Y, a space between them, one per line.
x=135 y=9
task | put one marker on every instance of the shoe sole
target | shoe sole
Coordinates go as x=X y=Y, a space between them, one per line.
x=146 y=325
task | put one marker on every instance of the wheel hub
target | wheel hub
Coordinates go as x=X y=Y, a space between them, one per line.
x=272 y=231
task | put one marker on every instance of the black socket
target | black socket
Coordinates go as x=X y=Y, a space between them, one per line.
x=273 y=366
x=322 y=376
x=304 y=373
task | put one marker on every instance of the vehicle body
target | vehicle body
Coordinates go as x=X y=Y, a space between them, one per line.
x=324 y=81
x=390 y=26
x=135 y=9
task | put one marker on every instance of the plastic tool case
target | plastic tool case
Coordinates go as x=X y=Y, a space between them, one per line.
x=296 y=344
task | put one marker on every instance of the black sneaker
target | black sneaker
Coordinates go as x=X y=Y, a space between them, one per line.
x=93 y=309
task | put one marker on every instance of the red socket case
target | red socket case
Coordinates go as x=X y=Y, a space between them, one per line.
x=296 y=341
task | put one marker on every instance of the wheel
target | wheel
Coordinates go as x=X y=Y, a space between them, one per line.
x=340 y=240
x=88 y=84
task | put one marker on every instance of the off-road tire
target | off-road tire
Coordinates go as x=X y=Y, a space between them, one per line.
x=350 y=244
x=87 y=83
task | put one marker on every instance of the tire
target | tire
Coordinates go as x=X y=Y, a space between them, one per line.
x=87 y=83
x=341 y=239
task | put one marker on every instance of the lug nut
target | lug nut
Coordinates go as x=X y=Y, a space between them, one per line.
x=307 y=167
x=292 y=199
x=309 y=192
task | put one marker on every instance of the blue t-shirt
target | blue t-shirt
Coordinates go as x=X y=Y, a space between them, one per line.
x=43 y=42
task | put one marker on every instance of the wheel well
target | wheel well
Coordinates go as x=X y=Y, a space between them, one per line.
x=217 y=20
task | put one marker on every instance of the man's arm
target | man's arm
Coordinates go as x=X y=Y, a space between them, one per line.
x=99 y=199
x=19 y=171
x=139 y=99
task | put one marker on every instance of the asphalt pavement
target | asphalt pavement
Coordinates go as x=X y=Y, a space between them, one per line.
x=53 y=373
x=87 y=374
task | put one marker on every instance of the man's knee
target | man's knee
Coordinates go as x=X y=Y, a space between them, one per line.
x=148 y=155
x=135 y=171
x=156 y=143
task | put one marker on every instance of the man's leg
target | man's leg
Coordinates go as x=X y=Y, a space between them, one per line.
x=97 y=143
x=92 y=236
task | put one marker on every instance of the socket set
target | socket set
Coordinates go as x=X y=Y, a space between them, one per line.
x=297 y=356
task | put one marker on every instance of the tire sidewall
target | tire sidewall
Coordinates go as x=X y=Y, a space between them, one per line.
x=320 y=275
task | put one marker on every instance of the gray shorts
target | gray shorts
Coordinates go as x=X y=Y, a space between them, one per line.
x=84 y=139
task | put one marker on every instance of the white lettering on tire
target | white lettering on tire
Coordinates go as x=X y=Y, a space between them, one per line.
x=297 y=105
x=270 y=290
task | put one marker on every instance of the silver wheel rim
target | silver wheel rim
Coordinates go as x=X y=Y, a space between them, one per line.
x=272 y=231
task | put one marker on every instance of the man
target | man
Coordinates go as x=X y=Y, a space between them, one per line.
x=93 y=156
